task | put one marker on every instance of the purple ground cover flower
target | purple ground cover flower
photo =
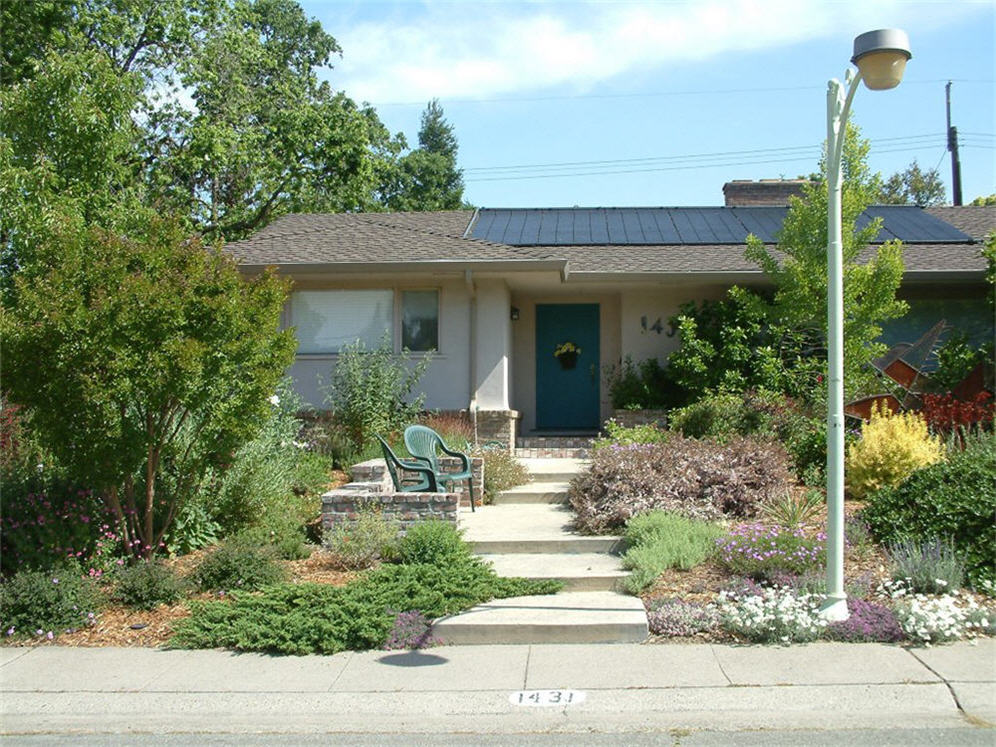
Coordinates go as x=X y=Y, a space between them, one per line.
x=868 y=621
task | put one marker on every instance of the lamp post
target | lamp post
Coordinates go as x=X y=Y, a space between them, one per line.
x=881 y=59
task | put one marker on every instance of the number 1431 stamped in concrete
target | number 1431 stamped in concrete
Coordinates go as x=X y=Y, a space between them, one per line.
x=546 y=697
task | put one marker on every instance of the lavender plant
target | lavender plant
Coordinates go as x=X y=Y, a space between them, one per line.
x=763 y=553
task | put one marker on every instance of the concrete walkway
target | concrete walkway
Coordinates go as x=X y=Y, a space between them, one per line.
x=618 y=688
x=527 y=533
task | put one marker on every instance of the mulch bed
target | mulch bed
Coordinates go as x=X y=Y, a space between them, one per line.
x=122 y=626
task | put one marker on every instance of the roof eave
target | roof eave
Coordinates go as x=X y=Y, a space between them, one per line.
x=431 y=265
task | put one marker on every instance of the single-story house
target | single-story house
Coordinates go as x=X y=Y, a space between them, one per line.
x=495 y=292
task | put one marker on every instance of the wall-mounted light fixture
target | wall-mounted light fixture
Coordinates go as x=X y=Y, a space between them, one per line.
x=514 y=316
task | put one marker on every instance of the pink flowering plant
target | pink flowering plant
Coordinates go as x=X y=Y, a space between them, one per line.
x=43 y=603
x=762 y=553
x=45 y=527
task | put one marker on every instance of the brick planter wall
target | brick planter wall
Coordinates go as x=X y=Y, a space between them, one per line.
x=629 y=418
x=374 y=470
x=341 y=506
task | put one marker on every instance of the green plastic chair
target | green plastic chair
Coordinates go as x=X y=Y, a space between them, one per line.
x=424 y=444
x=398 y=467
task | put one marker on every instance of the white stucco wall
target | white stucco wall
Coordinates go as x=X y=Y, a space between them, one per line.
x=447 y=380
x=493 y=342
x=661 y=303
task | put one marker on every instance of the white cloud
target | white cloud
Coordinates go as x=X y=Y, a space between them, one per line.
x=477 y=50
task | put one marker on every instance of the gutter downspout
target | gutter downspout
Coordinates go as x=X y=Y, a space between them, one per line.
x=468 y=279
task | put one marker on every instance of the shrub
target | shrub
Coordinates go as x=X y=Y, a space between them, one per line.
x=127 y=351
x=757 y=413
x=268 y=474
x=947 y=414
x=235 y=566
x=659 y=540
x=371 y=390
x=146 y=584
x=956 y=358
x=928 y=567
x=282 y=533
x=676 y=617
x=317 y=618
x=433 y=542
x=955 y=499
x=455 y=429
x=192 y=528
x=639 y=386
x=772 y=616
x=868 y=622
x=46 y=602
x=42 y=528
x=761 y=552
x=793 y=509
x=892 y=447
x=363 y=542
x=730 y=345
x=698 y=479
x=858 y=536
x=501 y=470
x=621 y=435
x=411 y=631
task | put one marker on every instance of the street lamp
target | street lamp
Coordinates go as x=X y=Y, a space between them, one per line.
x=881 y=59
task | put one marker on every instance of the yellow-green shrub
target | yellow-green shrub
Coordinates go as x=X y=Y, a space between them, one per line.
x=892 y=447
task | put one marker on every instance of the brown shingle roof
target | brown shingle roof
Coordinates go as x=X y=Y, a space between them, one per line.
x=386 y=238
x=347 y=238
x=975 y=220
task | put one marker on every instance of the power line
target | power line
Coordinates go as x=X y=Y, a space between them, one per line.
x=650 y=94
x=608 y=171
x=785 y=150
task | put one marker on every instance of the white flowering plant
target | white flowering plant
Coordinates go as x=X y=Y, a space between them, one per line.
x=772 y=615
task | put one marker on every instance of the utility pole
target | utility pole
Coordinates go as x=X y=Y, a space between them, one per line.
x=953 y=148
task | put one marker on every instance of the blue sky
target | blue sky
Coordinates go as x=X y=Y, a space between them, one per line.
x=660 y=103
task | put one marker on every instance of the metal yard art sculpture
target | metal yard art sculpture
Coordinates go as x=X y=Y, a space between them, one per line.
x=904 y=365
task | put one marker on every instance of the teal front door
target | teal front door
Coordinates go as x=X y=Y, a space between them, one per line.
x=567 y=386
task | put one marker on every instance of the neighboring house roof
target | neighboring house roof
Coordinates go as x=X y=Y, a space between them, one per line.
x=976 y=220
x=940 y=242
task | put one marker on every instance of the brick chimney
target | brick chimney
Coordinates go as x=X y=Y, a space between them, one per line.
x=746 y=192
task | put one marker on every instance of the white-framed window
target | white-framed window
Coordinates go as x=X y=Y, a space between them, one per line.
x=328 y=320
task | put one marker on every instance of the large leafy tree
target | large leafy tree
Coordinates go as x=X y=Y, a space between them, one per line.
x=68 y=145
x=128 y=354
x=913 y=186
x=427 y=178
x=798 y=266
x=231 y=125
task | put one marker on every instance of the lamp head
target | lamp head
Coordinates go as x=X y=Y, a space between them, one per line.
x=881 y=57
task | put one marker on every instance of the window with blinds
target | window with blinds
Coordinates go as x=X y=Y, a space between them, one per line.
x=328 y=320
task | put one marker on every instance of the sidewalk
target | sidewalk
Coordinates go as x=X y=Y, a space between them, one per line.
x=470 y=689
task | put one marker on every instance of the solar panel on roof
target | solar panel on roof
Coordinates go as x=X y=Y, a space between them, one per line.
x=683 y=226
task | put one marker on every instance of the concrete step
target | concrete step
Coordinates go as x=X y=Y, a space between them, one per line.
x=578 y=572
x=554 y=470
x=528 y=528
x=568 y=617
x=534 y=492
